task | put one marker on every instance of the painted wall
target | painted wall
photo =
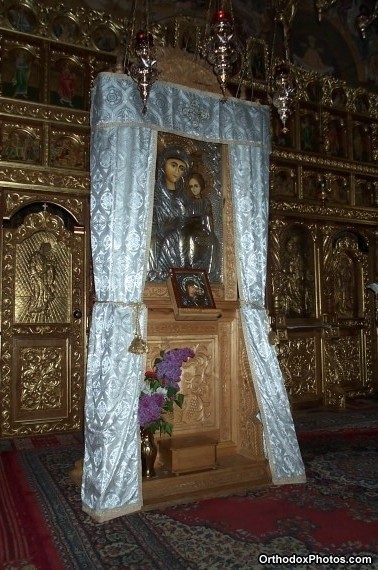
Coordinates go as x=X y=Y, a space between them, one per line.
x=333 y=46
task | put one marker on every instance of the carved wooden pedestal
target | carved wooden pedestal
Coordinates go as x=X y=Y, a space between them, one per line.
x=188 y=454
x=216 y=448
x=232 y=475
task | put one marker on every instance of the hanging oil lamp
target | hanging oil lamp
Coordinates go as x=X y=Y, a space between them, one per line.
x=283 y=94
x=221 y=48
x=365 y=19
x=321 y=6
x=144 y=70
x=281 y=76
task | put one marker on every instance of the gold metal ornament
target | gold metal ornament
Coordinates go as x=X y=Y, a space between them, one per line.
x=138 y=344
x=273 y=338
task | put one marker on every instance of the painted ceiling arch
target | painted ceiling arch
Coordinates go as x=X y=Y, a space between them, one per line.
x=334 y=46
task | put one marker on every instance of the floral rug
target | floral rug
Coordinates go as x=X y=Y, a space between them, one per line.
x=333 y=515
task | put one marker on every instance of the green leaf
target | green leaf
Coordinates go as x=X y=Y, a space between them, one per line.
x=168 y=428
x=168 y=406
x=152 y=427
x=180 y=400
x=171 y=392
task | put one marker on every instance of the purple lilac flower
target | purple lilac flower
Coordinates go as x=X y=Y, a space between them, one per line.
x=170 y=366
x=150 y=408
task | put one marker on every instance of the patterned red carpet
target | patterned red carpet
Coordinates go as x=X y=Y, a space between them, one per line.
x=360 y=415
x=333 y=515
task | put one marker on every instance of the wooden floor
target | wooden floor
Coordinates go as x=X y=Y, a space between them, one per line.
x=233 y=474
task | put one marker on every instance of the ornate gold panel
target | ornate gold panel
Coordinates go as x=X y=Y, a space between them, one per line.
x=293 y=269
x=199 y=383
x=249 y=425
x=345 y=271
x=43 y=278
x=299 y=364
x=43 y=341
x=16 y=200
x=337 y=260
x=40 y=379
x=345 y=369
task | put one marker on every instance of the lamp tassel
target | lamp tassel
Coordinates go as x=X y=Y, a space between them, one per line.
x=138 y=344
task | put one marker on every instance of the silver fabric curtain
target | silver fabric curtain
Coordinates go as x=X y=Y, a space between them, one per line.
x=250 y=188
x=121 y=194
x=123 y=155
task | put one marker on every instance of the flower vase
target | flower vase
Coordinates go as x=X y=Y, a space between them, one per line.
x=148 y=449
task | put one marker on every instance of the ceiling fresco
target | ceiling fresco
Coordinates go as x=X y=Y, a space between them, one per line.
x=333 y=46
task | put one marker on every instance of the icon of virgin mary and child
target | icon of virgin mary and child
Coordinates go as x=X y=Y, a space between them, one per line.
x=183 y=226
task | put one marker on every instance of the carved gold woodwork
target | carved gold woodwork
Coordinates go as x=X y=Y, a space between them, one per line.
x=22 y=109
x=41 y=385
x=345 y=271
x=343 y=358
x=42 y=276
x=354 y=215
x=50 y=181
x=43 y=347
x=341 y=324
x=300 y=367
x=292 y=258
x=346 y=276
x=250 y=427
x=219 y=397
x=199 y=382
x=41 y=389
x=314 y=193
x=15 y=200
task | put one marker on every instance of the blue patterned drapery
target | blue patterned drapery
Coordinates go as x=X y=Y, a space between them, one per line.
x=123 y=153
